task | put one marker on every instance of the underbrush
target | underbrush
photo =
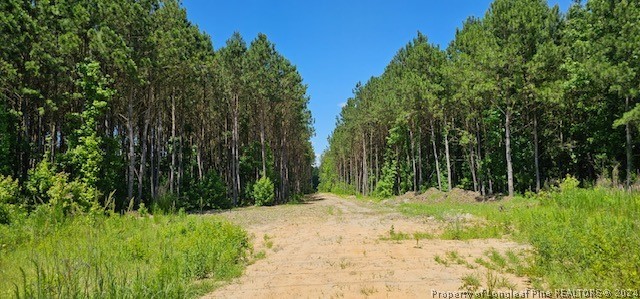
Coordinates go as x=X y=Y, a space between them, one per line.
x=580 y=236
x=117 y=256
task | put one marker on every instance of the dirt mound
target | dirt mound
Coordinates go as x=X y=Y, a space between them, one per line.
x=433 y=195
x=460 y=195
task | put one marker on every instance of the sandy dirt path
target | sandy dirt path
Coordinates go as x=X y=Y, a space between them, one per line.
x=331 y=247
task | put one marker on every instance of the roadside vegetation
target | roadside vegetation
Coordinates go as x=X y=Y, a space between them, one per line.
x=579 y=236
x=47 y=254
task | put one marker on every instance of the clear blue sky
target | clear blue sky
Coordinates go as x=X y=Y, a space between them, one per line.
x=335 y=43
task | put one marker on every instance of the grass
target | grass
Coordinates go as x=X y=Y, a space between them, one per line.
x=161 y=256
x=471 y=283
x=438 y=259
x=455 y=257
x=400 y=236
x=579 y=236
x=367 y=291
x=267 y=241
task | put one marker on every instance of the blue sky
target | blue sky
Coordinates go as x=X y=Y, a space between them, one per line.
x=335 y=43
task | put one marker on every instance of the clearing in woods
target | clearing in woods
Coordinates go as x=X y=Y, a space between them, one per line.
x=334 y=247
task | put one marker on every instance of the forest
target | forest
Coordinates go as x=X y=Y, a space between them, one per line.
x=520 y=98
x=128 y=103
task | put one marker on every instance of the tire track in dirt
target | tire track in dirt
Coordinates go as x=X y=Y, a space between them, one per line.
x=330 y=247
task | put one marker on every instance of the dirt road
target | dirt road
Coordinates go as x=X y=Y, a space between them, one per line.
x=334 y=248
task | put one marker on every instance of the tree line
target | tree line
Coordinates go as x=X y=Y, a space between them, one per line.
x=129 y=100
x=521 y=97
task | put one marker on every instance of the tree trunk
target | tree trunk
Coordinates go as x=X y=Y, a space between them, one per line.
x=131 y=156
x=143 y=154
x=536 y=152
x=158 y=153
x=472 y=167
x=172 y=146
x=435 y=154
x=52 y=142
x=507 y=132
x=152 y=164
x=377 y=163
x=235 y=153
x=365 y=177
x=628 y=147
x=413 y=161
x=180 y=162
x=262 y=144
x=482 y=176
x=447 y=155
x=285 y=168
x=370 y=162
x=419 y=157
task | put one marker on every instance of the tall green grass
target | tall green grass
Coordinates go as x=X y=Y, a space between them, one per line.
x=89 y=256
x=582 y=238
x=586 y=238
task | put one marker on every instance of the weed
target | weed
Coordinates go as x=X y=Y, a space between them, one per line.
x=400 y=236
x=367 y=291
x=496 y=258
x=344 y=264
x=267 y=241
x=441 y=261
x=455 y=258
x=260 y=255
x=480 y=261
x=471 y=283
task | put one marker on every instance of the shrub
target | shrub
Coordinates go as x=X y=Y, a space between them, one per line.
x=40 y=181
x=5 y=213
x=71 y=197
x=9 y=190
x=165 y=203
x=386 y=184
x=569 y=183
x=263 y=191
x=208 y=193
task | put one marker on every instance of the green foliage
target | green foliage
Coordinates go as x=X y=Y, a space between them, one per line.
x=9 y=190
x=166 y=203
x=386 y=185
x=71 y=197
x=7 y=139
x=551 y=84
x=142 y=210
x=5 y=213
x=569 y=183
x=10 y=200
x=40 y=181
x=122 y=95
x=55 y=189
x=209 y=193
x=119 y=256
x=85 y=155
x=630 y=117
x=263 y=191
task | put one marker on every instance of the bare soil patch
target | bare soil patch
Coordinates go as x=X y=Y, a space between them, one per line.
x=331 y=247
